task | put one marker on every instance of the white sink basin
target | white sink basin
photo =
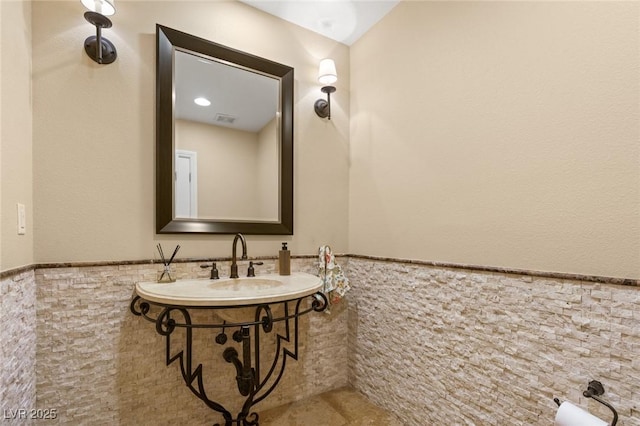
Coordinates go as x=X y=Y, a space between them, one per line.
x=231 y=291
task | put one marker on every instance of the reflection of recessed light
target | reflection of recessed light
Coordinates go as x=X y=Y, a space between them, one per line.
x=202 y=101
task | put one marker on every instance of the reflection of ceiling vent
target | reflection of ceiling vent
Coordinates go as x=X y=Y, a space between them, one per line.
x=225 y=118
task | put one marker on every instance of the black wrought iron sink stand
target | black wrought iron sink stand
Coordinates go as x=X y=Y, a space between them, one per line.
x=251 y=383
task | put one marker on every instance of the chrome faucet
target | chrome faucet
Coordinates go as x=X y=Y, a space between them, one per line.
x=234 y=265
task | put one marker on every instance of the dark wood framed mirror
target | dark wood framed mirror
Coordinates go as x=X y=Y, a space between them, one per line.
x=224 y=120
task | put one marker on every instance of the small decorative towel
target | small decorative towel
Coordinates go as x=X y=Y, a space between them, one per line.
x=335 y=283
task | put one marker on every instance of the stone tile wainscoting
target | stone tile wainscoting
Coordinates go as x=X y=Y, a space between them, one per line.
x=18 y=346
x=443 y=345
x=434 y=344
x=97 y=364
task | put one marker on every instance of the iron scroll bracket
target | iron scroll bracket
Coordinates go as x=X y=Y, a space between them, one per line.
x=250 y=382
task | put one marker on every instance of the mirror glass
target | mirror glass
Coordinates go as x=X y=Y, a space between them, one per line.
x=224 y=139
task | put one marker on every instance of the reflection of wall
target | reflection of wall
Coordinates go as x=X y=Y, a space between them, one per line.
x=268 y=170
x=231 y=169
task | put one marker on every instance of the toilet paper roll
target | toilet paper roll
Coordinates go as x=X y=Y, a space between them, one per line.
x=571 y=415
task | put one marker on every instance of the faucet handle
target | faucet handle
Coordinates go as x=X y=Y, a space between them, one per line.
x=214 y=270
x=251 y=272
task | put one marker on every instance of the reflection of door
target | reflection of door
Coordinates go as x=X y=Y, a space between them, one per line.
x=186 y=202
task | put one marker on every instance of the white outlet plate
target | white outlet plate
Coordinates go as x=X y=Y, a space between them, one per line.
x=22 y=220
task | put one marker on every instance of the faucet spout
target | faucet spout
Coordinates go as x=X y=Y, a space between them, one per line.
x=234 y=258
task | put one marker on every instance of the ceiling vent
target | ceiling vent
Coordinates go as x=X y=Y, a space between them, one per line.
x=225 y=119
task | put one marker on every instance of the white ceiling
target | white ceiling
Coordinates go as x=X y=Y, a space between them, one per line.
x=250 y=98
x=341 y=20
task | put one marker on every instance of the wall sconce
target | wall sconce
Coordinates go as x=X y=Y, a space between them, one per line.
x=327 y=75
x=98 y=48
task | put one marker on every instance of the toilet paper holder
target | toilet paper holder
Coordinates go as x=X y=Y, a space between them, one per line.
x=594 y=390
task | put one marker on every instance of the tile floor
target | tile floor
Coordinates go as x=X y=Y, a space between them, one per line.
x=339 y=407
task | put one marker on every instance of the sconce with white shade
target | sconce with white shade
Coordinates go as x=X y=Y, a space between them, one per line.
x=327 y=75
x=97 y=47
x=103 y=7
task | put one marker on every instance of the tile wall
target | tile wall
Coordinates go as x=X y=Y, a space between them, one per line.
x=18 y=347
x=99 y=364
x=440 y=345
x=431 y=343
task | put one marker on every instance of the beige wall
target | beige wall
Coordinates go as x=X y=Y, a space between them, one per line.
x=94 y=130
x=15 y=133
x=499 y=133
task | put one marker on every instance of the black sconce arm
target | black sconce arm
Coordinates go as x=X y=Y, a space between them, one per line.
x=97 y=47
x=322 y=107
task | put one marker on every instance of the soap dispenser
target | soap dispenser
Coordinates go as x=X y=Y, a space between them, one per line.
x=284 y=260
